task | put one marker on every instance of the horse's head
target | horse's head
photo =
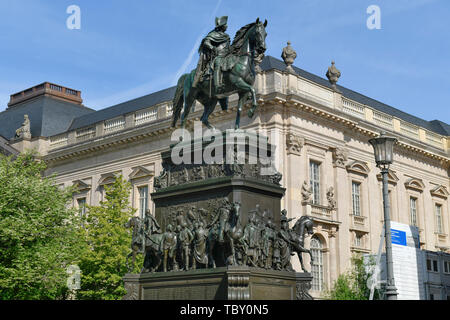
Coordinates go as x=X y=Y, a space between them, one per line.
x=132 y=223
x=260 y=36
x=303 y=226
x=309 y=224
x=237 y=208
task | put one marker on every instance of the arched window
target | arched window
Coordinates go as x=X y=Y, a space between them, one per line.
x=317 y=265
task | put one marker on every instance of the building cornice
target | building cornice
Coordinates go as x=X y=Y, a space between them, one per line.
x=280 y=100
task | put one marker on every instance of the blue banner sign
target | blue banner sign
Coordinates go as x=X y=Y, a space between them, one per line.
x=398 y=237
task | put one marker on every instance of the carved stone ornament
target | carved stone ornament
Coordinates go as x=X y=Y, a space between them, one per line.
x=294 y=144
x=440 y=191
x=340 y=157
x=132 y=291
x=289 y=56
x=330 y=198
x=333 y=75
x=24 y=131
x=303 y=288
x=306 y=192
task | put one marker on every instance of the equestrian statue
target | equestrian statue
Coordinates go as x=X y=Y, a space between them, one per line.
x=146 y=239
x=225 y=233
x=222 y=70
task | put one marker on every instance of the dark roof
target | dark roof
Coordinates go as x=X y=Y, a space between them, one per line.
x=267 y=63
x=48 y=116
x=435 y=125
x=6 y=149
x=123 y=108
x=442 y=127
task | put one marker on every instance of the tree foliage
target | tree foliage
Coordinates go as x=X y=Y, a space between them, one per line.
x=106 y=244
x=353 y=285
x=37 y=231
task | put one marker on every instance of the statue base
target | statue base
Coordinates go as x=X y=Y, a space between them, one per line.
x=223 y=283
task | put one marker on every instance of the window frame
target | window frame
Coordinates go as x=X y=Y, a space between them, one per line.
x=359 y=184
x=413 y=216
x=318 y=283
x=314 y=183
x=439 y=225
x=141 y=211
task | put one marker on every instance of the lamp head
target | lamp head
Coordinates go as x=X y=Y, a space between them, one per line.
x=383 y=147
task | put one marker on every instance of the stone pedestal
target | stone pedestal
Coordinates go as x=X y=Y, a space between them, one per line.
x=199 y=185
x=197 y=190
x=225 y=283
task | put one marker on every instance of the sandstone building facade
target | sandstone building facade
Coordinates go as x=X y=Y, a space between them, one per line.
x=321 y=134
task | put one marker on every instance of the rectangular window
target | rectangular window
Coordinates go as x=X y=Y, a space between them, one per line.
x=413 y=211
x=143 y=200
x=438 y=211
x=314 y=175
x=446 y=266
x=317 y=264
x=432 y=265
x=81 y=206
x=358 y=241
x=356 y=198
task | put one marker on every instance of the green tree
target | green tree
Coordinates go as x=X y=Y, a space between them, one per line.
x=352 y=285
x=37 y=231
x=107 y=243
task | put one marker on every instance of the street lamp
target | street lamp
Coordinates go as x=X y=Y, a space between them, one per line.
x=383 y=147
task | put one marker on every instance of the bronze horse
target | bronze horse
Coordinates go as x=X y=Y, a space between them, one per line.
x=143 y=243
x=136 y=240
x=232 y=233
x=302 y=226
x=248 y=43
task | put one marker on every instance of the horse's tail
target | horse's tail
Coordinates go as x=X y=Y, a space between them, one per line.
x=178 y=100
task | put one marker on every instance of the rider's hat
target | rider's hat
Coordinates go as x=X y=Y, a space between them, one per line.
x=222 y=21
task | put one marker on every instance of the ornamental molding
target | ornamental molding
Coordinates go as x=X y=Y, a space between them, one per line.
x=358 y=167
x=440 y=191
x=392 y=177
x=340 y=157
x=80 y=186
x=294 y=101
x=140 y=172
x=415 y=184
x=108 y=178
x=294 y=144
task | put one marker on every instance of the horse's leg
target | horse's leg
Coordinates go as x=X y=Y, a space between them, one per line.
x=212 y=255
x=310 y=255
x=299 y=254
x=233 y=252
x=133 y=261
x=210 y=105
x=242 y=98
x=224 y=103
x=189 y=100
x=244 y=86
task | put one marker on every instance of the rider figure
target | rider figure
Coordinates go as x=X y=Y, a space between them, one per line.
x=213 y=48
x=224 y=215
x=151 y=226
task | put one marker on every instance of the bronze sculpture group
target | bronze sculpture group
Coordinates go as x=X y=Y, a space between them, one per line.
x=218 y=236
x=190 y=244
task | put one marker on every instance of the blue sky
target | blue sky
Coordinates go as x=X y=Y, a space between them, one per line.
x=126 y=49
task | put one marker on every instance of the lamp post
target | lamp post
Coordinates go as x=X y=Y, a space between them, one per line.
x=383 y=148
